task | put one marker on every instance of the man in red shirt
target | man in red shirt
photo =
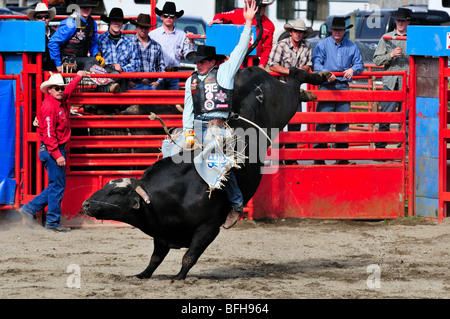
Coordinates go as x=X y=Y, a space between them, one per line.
x=54 y=133
x=236 y=17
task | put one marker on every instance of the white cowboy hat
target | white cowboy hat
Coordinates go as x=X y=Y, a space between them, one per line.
x=55 y=80
x=41 y=7
x=267 y=2
x=299 y=25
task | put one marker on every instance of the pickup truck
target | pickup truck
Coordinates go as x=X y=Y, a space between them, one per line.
x=371 y=25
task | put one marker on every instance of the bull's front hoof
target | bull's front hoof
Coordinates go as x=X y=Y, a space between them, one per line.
x=142 y=276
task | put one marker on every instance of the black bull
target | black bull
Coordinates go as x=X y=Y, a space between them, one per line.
x=171 y=203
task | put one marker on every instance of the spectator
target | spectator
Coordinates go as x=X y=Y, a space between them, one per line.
x=54 y=134
x=265 y=45
x=203 y=108
x=150 y=55
x=292 y=52
x=75 y=37
x=174 y=42
x=41 y=12
x=336 y=54
x=120 y=52
x=392 y=54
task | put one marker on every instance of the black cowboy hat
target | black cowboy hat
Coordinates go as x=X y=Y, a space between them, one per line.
x=204 y=52
x=142 y=20
x=115 y=14
x=169 y=7
x=338 y=23
x=403 y=14
x=86 y=4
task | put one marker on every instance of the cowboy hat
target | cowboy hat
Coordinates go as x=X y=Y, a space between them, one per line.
x=338 y=23
x=115 y=14
x=55 y=80
x=299 y=25
x=142 y=20
x=86 y=4
x=267 y=2
x=403 y=14
x=41 y=7
x=204 y=52
x=169 y=7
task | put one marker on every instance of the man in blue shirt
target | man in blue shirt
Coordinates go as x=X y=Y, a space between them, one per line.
x=76 y=36
x=207 y=99
x=173 y=41
x=336 y=54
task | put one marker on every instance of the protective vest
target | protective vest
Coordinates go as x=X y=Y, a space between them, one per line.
x=208 y=95
x=80 y=42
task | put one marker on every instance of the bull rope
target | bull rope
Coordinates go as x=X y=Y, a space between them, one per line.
x=236 y=116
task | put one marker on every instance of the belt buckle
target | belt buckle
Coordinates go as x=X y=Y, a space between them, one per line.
x=218 y=122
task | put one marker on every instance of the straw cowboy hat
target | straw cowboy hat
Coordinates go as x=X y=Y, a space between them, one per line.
x=299 y=25
x=338 y=23
x=204 y=52
x=169 y=7
x=55 y=80
x=115 y=14
x=41 y=8
x=142 y=20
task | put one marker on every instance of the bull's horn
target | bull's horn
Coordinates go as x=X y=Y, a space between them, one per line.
x=143 y=194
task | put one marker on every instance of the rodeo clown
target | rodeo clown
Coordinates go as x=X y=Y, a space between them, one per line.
x=208 y=97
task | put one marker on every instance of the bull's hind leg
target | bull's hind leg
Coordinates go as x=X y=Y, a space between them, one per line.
x=199 y=243
x=159 y=253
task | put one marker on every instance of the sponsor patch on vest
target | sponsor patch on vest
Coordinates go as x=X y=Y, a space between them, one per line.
x=221 y=96
x=209 y=105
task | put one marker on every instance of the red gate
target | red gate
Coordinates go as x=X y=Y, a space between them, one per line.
x=374 y=188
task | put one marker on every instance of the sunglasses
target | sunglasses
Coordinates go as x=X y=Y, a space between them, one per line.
x=40 y=17
x=58 y=88
x=166 y=15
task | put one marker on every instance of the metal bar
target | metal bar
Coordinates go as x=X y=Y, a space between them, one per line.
x=336 y=153
x=347 y=117
x=339 y=137
x=123 y=121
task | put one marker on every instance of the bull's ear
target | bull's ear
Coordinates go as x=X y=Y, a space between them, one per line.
x=137 y=202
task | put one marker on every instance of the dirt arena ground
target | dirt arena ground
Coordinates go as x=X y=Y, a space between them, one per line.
x=282 y=259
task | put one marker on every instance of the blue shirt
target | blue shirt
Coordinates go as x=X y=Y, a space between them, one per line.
x=123 y=52
x=225 y=78
x=151 y=57
x=173 y=44
x=337 y=57
x=65 y=31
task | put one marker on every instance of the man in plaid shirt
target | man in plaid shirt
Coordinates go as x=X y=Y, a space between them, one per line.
x=150 y=54
x=392 y=54
x=119 y=51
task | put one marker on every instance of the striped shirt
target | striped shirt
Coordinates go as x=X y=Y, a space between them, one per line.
x=382 y=56
x=123 y=52
x=151 y=57
x=285 y=55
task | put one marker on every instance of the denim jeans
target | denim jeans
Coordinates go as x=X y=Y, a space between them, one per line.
x=333 y=107
x=171 y=84
x=141 y=87
x=386 y=127
x=232 y=189
x=51 y=196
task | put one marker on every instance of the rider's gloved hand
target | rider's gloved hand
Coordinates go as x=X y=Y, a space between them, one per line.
x=189 y=138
